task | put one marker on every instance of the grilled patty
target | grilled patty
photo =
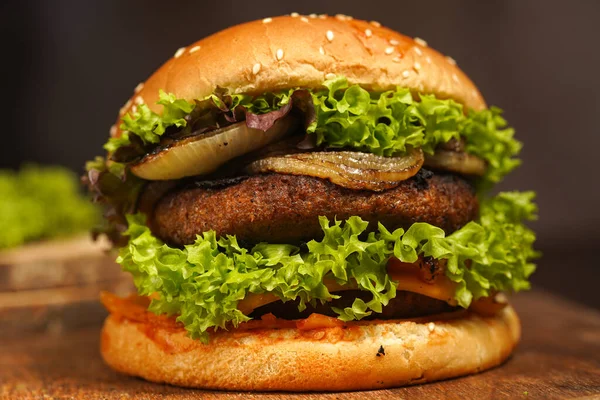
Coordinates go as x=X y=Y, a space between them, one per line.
x=280 y=208
x=404 y=305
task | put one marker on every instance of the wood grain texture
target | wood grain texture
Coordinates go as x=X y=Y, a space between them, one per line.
x=57 y=263
x=558 y=358
x=53 y=286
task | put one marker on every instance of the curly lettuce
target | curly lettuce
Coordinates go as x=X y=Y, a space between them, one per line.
x=150 y=126
x=42 y=203
x=348 y=116
x=203 y=282
x=387 y=123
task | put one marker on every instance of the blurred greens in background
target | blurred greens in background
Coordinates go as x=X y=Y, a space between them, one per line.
x=42 y=202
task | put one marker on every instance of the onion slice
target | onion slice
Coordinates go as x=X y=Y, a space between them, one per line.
x=352 y=170
x=459 y=162
x=203 y=154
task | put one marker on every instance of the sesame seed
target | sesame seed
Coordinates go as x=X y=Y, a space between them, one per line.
x=113 y=130
x=499 y=297
x=179 y=52
x=330 y=76
x=455 y=78
x=127 y=105
x=451 y=60
x=134 y=109
x=349 y=17
x=323 y=16
x=389 y=50
x=375 y=23
x=303 y=19
x=418 y=51
x=428 y=59
x=312 y=15
x=341 y=17
x=256 y=68
x=194 y=49
x=279 y=54
x=139 y=87
x=329 y=35
x=421 y=42
x=474 y=93
x=267 y=20
x=368 y=32
x=396 y=59
x=321 y=50
x=405 y=73
x=394 y=42
x=294 y=15
x=417 y=65
x=431 y=326
x=139 y=100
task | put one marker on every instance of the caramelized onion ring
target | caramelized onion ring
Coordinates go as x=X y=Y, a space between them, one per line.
x=204 y=153
x=459 y=162
x=348 y=169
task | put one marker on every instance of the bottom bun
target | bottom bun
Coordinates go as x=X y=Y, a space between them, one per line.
x=364 y=355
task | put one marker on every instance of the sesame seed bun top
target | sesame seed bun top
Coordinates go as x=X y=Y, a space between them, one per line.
x=303 y=51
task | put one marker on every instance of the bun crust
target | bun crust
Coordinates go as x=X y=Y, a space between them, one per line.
x=285 y=52
x=330 y=359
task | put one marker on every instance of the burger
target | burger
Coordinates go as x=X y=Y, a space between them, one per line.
x=303 y=203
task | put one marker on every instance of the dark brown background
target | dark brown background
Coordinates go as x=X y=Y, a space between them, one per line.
x=71 y=64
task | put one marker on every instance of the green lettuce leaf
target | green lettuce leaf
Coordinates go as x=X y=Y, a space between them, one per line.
x=42 y=203
x=148 y=125
x=383 y=123
x=488 y=136
x=387 y=123
x=203 y=282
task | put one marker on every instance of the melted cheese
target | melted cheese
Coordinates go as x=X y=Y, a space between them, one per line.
x=252 y=301
x=442 y=289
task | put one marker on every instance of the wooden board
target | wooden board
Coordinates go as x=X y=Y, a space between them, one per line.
x=77 y=261
x=558 y=358
x=53 y=286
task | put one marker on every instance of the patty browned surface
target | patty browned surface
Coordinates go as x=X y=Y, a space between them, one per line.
x=284 y=208
x=404 y=305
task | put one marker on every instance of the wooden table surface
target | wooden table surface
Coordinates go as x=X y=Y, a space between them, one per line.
x=559 y=357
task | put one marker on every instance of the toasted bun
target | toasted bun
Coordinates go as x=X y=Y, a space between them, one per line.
x=285 y=52
x=330 y=359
